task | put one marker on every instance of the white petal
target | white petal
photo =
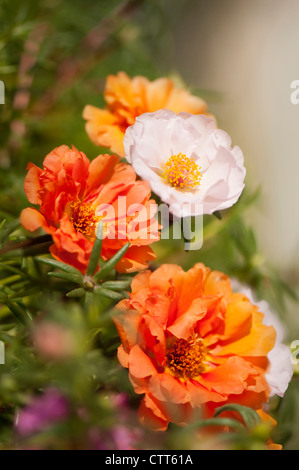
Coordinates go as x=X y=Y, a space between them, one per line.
x=281 y=368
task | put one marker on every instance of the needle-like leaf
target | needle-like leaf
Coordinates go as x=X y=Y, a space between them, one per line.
x=96 y=251
x=111 y=263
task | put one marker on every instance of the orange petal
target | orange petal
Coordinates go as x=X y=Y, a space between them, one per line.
x=258 y=342
x=127 y=326
x=118 y=185
x=157 y=94
x=151 y=415
x=181 y=100
x=32 y=219
x=161 y=277
x=123 y=357
x=192 y=286
x=238 y=319
x=228 y=378
x=159 y=306
x=267 y=418
x=152 y=338
x=71 y=247
x=100 y=171
x=272 y=446
x=135 y=259
x=140 y=364
x=218 y=283
x=140 y=281
x=166 y=388
x=32 y=184
x=102 y=128
x=184 y=325
x=200 y=395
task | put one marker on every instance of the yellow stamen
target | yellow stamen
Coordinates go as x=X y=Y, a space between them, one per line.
x=185 y=359
x=182 y=172
x=83 y=218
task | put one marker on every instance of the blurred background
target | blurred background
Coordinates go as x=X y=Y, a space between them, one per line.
x=247 y=51
x=239 y=56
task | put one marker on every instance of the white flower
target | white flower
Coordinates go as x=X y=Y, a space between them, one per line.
x=280 y=370
x=188 y=162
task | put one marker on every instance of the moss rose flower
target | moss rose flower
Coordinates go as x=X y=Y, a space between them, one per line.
x=188 y=162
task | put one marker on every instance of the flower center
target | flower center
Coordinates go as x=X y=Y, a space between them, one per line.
x=182 y=172
x=83 y=218
x=185 y=359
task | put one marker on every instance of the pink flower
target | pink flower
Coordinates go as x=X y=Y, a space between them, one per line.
x=43 y=412
x=188 y=162
x=53 y=341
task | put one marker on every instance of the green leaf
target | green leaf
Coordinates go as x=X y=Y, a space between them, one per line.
x=111 y=263
x=117 y=285
x=7 y=326
x=250 y=416
x=78 y=292
x=12 y=269
x=20 y=312
x=58 y=264
x=9 y=228
x=96 y=251
x=110 y=294
x=218 y=215
x=24 y=293
x=6 y=337
x=9 y=280
x=76 y=278
x=32 y=250
x=287 y=417
x=125 y=294
x=3 y=222
x=232 y=423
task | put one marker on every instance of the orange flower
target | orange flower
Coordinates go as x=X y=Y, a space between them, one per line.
x=267 y=419
x=190 y=343
x=73 y=194
x=126 y=99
